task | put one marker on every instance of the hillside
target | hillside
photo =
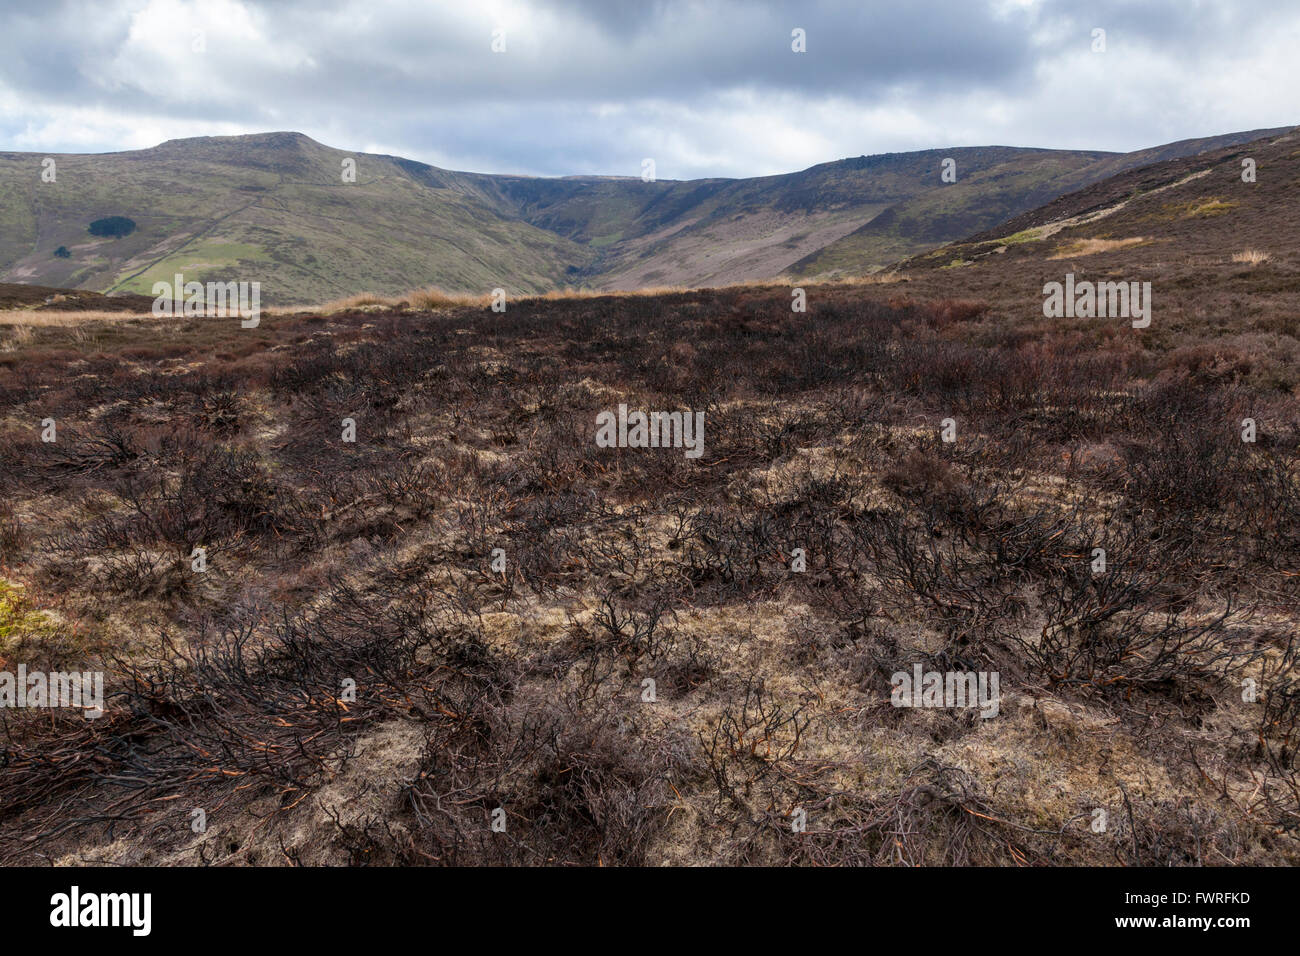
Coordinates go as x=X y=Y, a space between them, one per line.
x=985 y=197
x=712 y=232
x=1215 y=248
x=273 y=207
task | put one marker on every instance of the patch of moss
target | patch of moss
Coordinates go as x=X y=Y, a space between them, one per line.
x=1033 y=234
x=20 y=621
x=1196 y=208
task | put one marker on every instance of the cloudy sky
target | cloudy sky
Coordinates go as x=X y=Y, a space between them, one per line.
x=594 y=86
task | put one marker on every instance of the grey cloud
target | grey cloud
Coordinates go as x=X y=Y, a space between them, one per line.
x=421 y=78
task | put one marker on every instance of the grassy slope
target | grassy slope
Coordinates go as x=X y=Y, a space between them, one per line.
x=981 y=198
x=271 y=208
x=1189 y=216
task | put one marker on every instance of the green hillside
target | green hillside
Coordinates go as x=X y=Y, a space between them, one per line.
x=272 y=208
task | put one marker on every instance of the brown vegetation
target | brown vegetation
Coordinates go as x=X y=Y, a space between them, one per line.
x=331 y=562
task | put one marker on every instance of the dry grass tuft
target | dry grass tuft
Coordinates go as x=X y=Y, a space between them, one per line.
x=431 y=297
x=19 y=336
x=426 y=299
x=1251 y=257
x=1090 y=247
x=32 y=318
